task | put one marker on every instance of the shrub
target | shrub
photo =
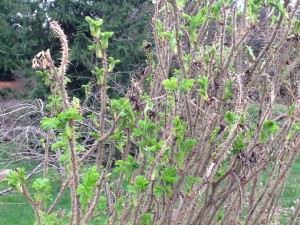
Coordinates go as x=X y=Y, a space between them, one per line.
x=190 y=153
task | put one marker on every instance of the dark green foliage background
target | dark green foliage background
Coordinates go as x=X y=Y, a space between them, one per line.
x=24 y=31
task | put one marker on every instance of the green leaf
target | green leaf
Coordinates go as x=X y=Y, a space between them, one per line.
x=96 y=49
x=171 y=84
x=45 y=77
x=180 y=128
x=149 y=106
x=173 y=42
x=104 y=39
x=187 y=144
x=67 y=80
x=186 y=85
x=292 y=110
x=43 y=188
x=67 y=131
x=180 y=157
x=194 y=22
x=85 y=189
x=16 y=178
x=297 y=26
x=88 y=19
x=73 y=114
x=128 y=166
x=243 y=118
x=119 y=163
x=180 y=3
x=220 y=216
x=169 y=190
x=169 y=175
x=94 y=26
x=295 y=129
x=59 y=144
x=75 y=103
x=230 y=117
x=123 y=107
x=216 y=10
x=102 y=219
x=184 y=147
x=99 y=73
x=141 y=182
x=228 y=90
x=220 y=173
x=119 y=205
x=147 y=219
x=203 y=87
x=50 y=123
x=54 y=102
x=214 y=134
x=102 y=204
x=239 y=144
x=158 y=191
x=51 y=219
x=269 y=129
x=277 y=4
x=189 y=182
x=112 y=63
x=67 y=115
x=250 y=53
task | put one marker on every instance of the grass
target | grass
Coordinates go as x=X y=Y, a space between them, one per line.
x=14 y=208
x=253 y=111
x=291 y=193
x=292 y=187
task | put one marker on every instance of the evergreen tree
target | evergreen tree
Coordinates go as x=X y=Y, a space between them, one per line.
x=24 y=31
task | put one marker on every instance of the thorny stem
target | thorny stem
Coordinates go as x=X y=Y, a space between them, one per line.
x=34 y=205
